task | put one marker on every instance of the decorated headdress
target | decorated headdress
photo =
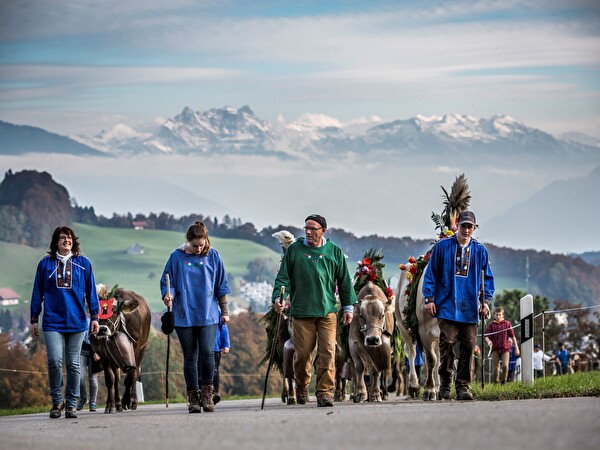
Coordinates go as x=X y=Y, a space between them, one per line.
x=454 y=203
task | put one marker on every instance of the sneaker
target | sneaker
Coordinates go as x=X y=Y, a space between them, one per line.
x=56 y=410
x=81 y=404
x=92 y=407
x=216 y=398
x=463 y=394
x=71 y=413
x=302 y=395
x=324 y=400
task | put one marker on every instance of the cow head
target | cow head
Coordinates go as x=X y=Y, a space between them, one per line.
x=371 y=317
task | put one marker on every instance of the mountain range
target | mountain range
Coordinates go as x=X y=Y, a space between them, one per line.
x=368 y=175
x=239 y=131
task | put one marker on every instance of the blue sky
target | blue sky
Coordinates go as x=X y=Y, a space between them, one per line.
x=78 y=67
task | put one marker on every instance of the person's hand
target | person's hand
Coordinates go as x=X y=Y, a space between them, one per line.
x=96 y=357
x=168 y=300
x=485 y=309
x=226 y=350
x=225 y=319
x=488 y=342
x=34 y=330
x=278 y=307
x=94 y=327
x=430 y=309
x=347 y=319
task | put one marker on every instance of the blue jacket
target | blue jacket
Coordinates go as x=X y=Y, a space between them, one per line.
x=64 y=294
x=455 y=289
x=222 y=340
x=196 y=283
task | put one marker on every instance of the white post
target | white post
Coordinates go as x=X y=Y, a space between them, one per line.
x=527 y=339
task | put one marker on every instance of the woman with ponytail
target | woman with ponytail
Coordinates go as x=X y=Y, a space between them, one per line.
x=198 y=296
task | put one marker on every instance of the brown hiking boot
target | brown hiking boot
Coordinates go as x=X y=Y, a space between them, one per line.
x=463 y=393
x=206 y=397
x=56 y=410
x=194 y=405
x=302 y=395
x=324 y=400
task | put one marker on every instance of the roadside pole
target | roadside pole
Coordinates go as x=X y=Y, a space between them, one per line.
x=527 y=339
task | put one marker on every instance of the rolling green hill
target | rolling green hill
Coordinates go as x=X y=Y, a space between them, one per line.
x=106 y=248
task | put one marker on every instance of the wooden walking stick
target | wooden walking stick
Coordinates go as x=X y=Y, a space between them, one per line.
x=482 y=329
x=273 y=346
x=168 y=280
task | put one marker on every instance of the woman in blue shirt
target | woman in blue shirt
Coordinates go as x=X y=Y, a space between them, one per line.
x=198 y=293
x=64 y=280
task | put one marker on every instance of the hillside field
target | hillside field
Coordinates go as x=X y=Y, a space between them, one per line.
x=106 y=248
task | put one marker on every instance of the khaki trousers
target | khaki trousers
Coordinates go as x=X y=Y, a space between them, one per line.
x=496 y=357
x=308 y=332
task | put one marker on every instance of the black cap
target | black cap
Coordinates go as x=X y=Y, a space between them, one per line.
x=467 y=217
x=317 y=218
x=537 y=346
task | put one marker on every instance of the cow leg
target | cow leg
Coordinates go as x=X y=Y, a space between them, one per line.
x=284 y=389
x=413 y=380
x=129 y=393
x=431 y=389
x=118 y=404
x=109 y=381
x=360 y=389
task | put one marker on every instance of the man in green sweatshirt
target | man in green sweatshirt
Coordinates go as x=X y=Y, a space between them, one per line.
x=312 y=269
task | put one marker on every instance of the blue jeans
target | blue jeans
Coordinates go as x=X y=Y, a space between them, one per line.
x=198 y=344
x=87 y=376
x=71 y=342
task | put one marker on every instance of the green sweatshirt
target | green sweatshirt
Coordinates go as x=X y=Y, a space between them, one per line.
x=310 y=276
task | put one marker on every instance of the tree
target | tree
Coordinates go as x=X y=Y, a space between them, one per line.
x=262 y=269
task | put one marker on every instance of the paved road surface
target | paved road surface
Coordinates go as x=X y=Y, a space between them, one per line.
x=571 y=423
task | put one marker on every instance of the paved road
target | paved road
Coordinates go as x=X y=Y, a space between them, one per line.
x=571 y=423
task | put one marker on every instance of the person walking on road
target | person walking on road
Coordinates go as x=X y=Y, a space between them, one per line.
x=311 y=270
x=198 y=295
x=64 y=282
x=451 y=287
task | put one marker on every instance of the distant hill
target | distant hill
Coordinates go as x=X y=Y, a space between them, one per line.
x=567 y=209
x=23 y=139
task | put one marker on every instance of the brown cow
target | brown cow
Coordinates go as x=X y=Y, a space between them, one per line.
x=370 y=343
x=121 y=343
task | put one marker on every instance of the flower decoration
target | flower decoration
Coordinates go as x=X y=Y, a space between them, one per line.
x=370 y=268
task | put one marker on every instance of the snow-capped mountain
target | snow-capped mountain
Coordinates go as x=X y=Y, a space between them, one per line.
x=230 y=131
x=239 y=131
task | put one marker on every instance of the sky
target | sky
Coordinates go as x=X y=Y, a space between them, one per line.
x=79 y=67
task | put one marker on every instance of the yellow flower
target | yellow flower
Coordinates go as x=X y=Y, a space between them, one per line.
x=409 y=276
x=449 y=232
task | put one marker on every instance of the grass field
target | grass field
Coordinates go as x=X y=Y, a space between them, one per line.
x=106 y=248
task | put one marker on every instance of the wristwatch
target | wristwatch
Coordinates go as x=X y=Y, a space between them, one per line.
x=428 y=300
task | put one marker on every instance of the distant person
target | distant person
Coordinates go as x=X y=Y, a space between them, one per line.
x=451 y=285
x=90 y=367
x=512 y=360
x=564 y=363
x=64 y=282
x=222 y=346
x=497 y=335
x=198 y=294
x=310 y=270
x=539 y=358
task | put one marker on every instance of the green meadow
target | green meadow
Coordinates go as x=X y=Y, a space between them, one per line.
x=107 y=249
